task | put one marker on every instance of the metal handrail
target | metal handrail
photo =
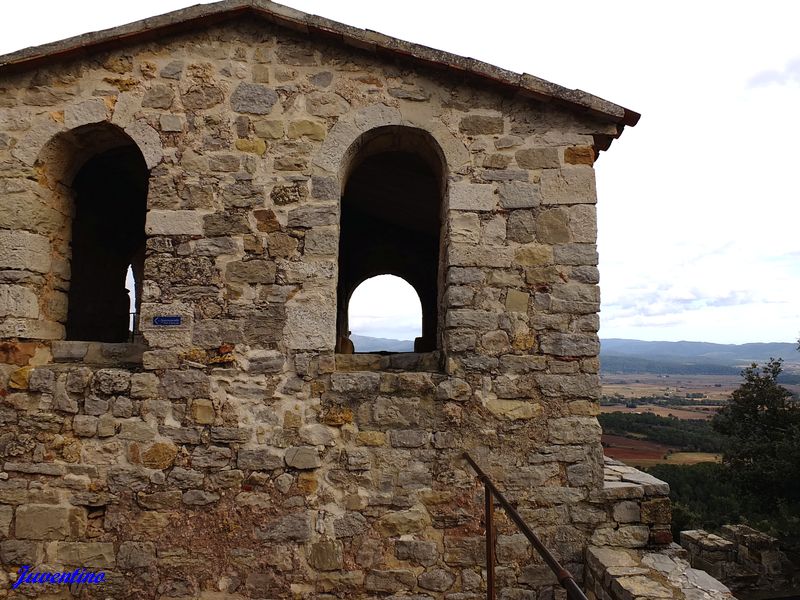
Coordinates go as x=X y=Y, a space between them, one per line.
x=564 y=577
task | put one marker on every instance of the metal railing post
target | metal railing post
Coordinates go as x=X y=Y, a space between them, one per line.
x=564 y=577
x=490 y=541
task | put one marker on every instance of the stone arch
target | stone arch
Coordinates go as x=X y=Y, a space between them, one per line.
x=69 y=159
x=393 y=188
x=343 y=138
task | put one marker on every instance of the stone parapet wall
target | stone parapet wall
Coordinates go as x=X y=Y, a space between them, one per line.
x=638 y=506
x=625 y=574
x=745 y=559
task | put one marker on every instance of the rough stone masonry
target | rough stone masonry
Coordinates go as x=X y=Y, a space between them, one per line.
x=233 y=453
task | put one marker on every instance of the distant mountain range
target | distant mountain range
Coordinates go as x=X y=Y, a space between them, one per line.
x=690 y=358
x=365 y=343
x=638 y=356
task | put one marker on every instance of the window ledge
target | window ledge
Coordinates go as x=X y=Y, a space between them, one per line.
x=386 y=361
x=98 y=353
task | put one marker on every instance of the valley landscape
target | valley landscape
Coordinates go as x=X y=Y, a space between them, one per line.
x=667 y=388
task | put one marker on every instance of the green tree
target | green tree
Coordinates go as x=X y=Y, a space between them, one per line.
x=761 y=424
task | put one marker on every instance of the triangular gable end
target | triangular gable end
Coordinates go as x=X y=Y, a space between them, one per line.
x=205 y=15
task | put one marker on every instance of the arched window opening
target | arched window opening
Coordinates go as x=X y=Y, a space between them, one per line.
x=385 y=315
x=110 y=196
x=391 y=223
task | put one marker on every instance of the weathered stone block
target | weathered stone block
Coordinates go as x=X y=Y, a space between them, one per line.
x=437 y=580
x=534 y=255
x=481 y=124
x=24 y=250
x=573 y=430
x=514 y=409
x=326 y=555
x=626 y=511
x=259 y=459
x=111 y=381
x=657 y=511
x=144 y=385
x=626 y=536
x=355 y=383
x=569 y=344
x=49 y=522
x=84 y=425
x=408 y=438
x=579 y=155
x=170 y=123
x=136 y=555
x=394 y=580
x=185 y=478
x=302 y=457
x=199 y=497
x=98 y=555
x=417 y=551
x=306 y=128
x=253 y=98
x=402 y=522
x=174 y=222
x=288 y=528
x=324 y=104
x=160 y=455
x=552 y=227
x=313 y=216
x=185 y=384
x=468 y=255
x=6 y=515
x=18 y=301
x=538 y=158
x=517 y=194
x=159 y=500
x=213 y=457
x=21 y=552
x=158 y=96
x=464 y=552
x=465 y=227
x=569 y=185
x=469 y=196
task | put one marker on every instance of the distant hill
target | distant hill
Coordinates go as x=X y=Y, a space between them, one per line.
x=365 y=343
x=705 y=351
x=690 y=358
x=663 y=358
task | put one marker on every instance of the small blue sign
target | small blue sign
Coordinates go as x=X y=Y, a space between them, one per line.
x=170 y=321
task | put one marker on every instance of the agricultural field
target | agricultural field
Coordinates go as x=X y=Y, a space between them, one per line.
x=643 y=385
x=644 y=453
x=679 y=412
x=704 y=388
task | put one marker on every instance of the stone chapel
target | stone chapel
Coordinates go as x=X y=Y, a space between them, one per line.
x=210 y=434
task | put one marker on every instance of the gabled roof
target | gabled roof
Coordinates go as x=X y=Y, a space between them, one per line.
x=208 y=14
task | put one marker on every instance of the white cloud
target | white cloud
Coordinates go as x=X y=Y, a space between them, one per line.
x=790 y=74
x=386 y=307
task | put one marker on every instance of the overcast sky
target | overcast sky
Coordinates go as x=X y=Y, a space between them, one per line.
x=698 y=204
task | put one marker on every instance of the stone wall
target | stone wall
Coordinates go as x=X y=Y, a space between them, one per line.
x=748 y=561
x=628 y=574
x=243 y=458
x=631 y=554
